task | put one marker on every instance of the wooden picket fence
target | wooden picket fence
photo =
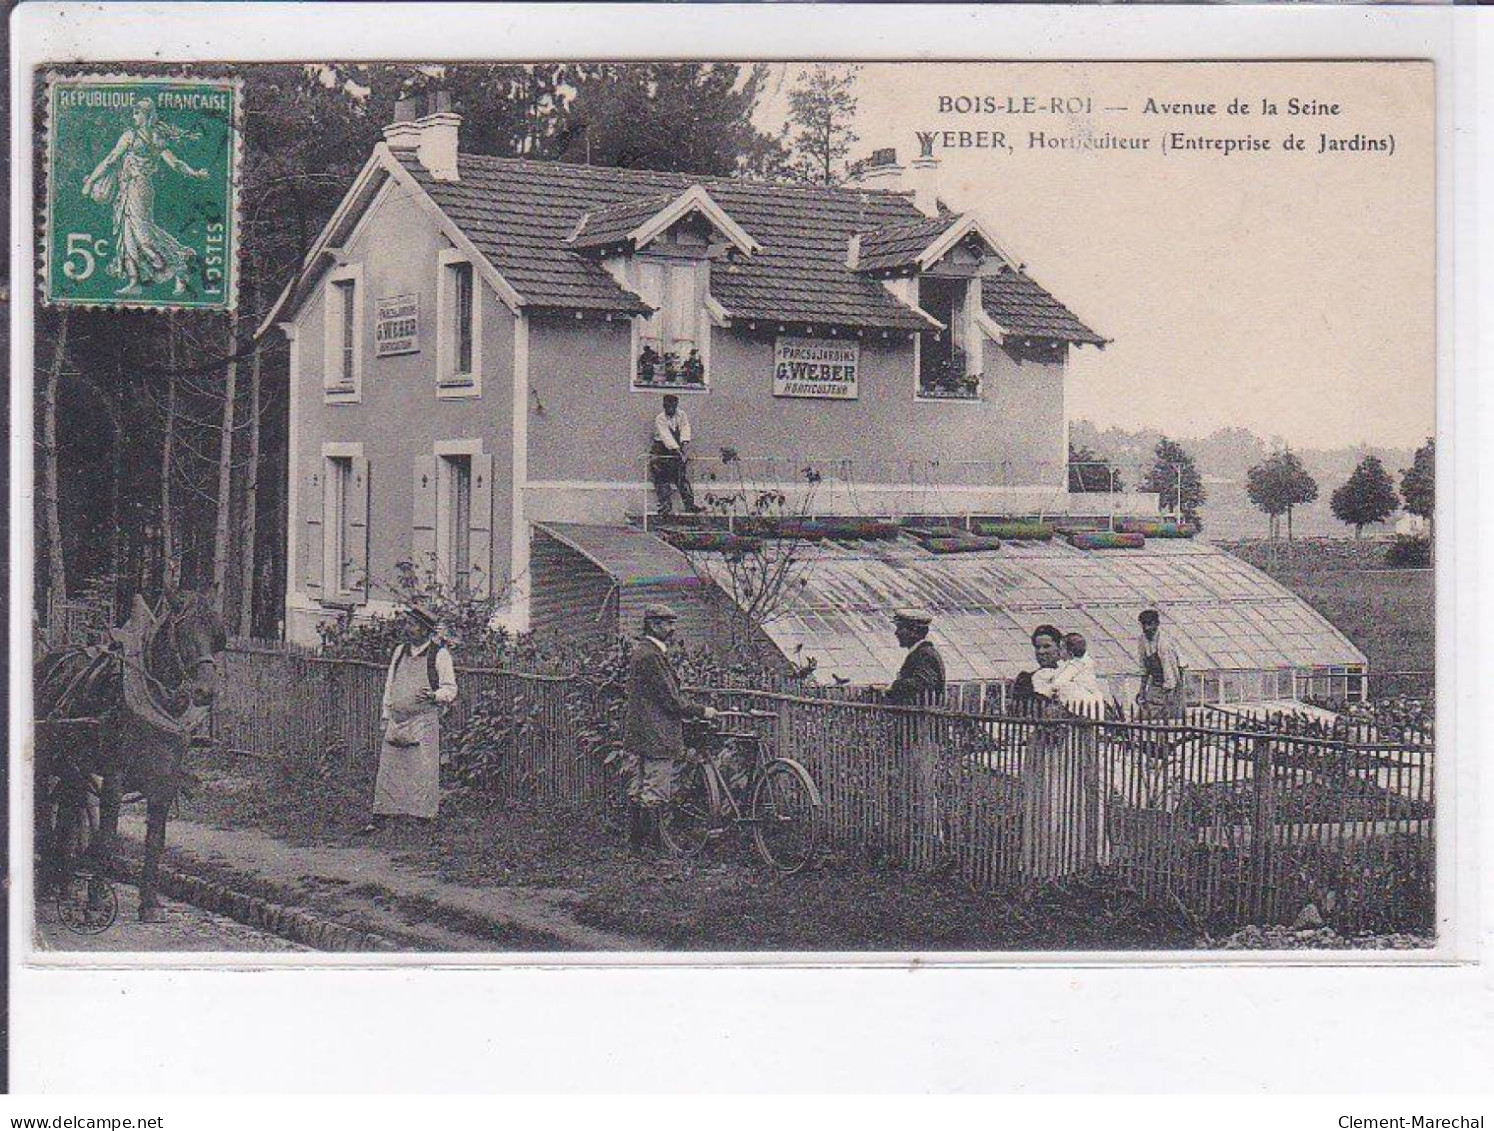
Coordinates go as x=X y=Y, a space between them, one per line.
x=1232 y=824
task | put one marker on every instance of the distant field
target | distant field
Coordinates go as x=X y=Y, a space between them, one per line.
x=1390 y=615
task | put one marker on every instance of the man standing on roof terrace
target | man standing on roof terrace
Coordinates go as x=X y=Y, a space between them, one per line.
x=653 y=736
x=669 y=456
x=1161 y=695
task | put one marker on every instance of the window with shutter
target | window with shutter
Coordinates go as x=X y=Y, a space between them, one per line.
x=671 y=341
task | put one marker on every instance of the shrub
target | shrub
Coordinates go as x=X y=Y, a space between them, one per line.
x=1409 y=553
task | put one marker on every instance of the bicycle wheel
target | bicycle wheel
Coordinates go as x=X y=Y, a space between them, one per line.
x=785 y=816
x=685 y=823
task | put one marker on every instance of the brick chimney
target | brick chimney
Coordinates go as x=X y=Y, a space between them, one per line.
x=432 y=137
x=882 y=171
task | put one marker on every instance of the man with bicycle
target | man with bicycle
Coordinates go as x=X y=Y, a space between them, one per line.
x=653 y=738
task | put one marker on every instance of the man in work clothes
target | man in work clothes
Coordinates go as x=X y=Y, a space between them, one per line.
x=654 y=737
x=920 y=683
x=669 y=455
x=1161 y=694
x=421 y=680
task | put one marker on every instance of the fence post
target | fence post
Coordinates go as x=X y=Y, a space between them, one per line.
x=1264 y=826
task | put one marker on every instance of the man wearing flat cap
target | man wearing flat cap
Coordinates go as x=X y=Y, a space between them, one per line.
x=421 y=681
x=653 y=737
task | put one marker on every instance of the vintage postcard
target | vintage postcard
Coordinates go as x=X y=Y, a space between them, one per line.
x=636 y=508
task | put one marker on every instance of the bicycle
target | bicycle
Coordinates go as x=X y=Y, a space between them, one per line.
x=783 y=803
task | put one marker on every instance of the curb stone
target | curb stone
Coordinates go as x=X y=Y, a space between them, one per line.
x=290 y=923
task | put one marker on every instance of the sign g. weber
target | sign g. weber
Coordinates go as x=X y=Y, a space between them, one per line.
x=397 y=325
x=815 y=367
x=142 y=192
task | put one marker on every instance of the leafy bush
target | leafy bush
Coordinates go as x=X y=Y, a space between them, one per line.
x=464 y=625
x=1409 y=553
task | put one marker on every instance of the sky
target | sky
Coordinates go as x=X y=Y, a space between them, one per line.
x=1292 y=293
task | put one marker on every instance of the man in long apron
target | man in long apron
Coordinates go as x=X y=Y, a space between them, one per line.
x=419 y=684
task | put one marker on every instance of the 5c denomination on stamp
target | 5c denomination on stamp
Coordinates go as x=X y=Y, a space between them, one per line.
x=142 y=192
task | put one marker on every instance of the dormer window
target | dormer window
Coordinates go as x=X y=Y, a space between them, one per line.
x=950 y=361
x=672 y=342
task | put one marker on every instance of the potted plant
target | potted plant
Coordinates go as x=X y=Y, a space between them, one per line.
x=692 y=370
x=648 y=365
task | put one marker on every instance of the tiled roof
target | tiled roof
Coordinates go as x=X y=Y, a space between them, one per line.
x=523 y=214
x=1222 y=614
x=899 y=245
x=520 y=213
x=1022 y=307
x=610 y=224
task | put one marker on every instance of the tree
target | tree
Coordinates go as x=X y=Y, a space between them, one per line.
x=1418 y=482
x=1278 y=485
x=1174 y=478
x=1368 y=496
x=822 y=110
x=680 y=117
x=51 y=488
x=1090 y=473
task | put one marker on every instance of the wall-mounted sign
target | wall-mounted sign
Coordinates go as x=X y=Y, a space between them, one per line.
x=397 y=325
x=816 y=367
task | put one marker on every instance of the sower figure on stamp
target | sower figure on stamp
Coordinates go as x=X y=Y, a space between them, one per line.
x=144 y=252
x=920 y=683
x=654 y=735
x=421 y=680
x=669 y=455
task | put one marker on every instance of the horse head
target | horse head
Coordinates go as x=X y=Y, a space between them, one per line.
x=185 y=649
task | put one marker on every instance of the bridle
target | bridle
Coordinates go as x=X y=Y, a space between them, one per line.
x=189 y=668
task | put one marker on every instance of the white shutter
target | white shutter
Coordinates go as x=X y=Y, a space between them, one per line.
x=312 y=499
x=480 y=532
x=356 y=503
x=423 y=524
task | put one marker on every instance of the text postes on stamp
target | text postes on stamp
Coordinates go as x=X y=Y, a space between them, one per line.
x=142 y=192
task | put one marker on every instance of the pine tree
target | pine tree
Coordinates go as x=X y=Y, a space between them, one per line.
x=822 y=110
x=680 y=117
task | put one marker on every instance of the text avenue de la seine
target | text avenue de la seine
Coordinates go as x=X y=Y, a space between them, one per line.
x=1410 y=1122
x=1085 y=137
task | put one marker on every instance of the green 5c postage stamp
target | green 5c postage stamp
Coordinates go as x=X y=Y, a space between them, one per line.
x=142 y=192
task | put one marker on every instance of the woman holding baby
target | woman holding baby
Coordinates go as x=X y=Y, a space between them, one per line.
x=1063 y=811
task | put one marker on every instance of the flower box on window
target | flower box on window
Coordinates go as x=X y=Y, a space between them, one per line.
x=948 y=380
x=670 y=370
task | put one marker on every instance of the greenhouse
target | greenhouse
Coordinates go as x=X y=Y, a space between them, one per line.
x=1240 y=635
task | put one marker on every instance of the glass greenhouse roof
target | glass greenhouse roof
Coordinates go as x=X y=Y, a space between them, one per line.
x=1222 y=613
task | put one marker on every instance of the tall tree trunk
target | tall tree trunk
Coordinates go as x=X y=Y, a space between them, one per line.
x=1289 y=523
x=222 y=539
x=251 y=503
x=56 y=571
x=171 y=566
